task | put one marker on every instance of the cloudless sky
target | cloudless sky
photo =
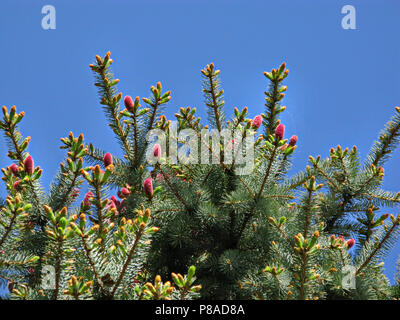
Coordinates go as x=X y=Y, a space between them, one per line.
x=342 y=87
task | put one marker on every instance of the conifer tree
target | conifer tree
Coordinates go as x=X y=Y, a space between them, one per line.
x=154 y=214
x=265 y=235
x=53 y=247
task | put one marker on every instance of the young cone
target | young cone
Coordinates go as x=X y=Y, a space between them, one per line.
x=280 y=131
x=257 y=121
x=293 y=141
x=14 y=169
x=28 y=165
x=128 y=102
x=108 y=159
x=148 y=187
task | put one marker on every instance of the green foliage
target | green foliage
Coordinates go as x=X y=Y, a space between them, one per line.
x=259 y=235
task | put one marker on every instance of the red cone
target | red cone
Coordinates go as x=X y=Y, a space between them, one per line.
x=108 y=159
x=88 y=196
x=257 y=121
x=293 y=141
x=350 y=243
x=14 y=169
x=148 y=187
x=280 y=131
x=128 y=103
x=28 y=164
x=157 y=150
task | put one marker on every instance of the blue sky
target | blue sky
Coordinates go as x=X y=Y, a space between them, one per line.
x=342 y=88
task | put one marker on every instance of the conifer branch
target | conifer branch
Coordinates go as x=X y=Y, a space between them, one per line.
x=110 y=100
x=9 y=227
x=213 y=96
x=387 y=142
x=370 y=195
x=395 y=224
x=278 y=227
x=188 y=117
x=331 y=182
x=176 y=193
x=58 y=267
x=128 y=260
x=91 y=262
x=249 y=214
x=9 y=125
x=303 y=277
x=62 y=193
x=273 y=96
x=307 y=211
x=266 y=176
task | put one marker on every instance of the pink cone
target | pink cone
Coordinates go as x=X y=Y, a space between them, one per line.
x=75 y=192
x=14 y=169
x=128 y=103
x=108 y=159
x=257 y=121
x=113 y=205
x=87 y=198
x=293 y=141
x=350 y=243
x=17 y=185
x=280 y=131
x=28 y=164
x=157 y=150
x=148 y=187
x=125 y=192
x=115 y=201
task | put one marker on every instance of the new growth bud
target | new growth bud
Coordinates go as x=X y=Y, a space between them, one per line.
x=293 y=141
x=108 y=159
x=148 y=187
x=28 y=165
x=257 y=121
x=14 y=169
x=280 y=131
x=350 y=243
x=128 y=102
x=157 y=150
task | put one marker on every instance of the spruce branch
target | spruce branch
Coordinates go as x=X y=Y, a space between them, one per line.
x=380 y=244
x=9 y=125
x=273 y=97
x=109 y=99
x=58 y=232
x=259 y=193
x=178 y=196
x=213 y=95
x=315 y=163
x=15 y=212
x=386 y=143
x=140 y=226
x=63 y=192
x=90 y=259
x=187 y=115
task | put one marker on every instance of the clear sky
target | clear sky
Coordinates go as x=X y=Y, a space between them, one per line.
x=342 y=88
